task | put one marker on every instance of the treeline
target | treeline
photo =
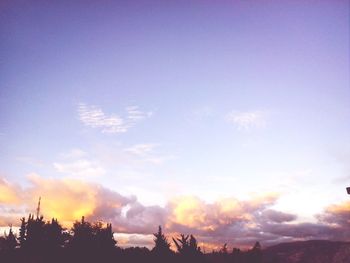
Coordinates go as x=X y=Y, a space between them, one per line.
x=40 y=241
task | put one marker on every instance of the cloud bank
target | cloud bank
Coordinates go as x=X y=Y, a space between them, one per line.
x=229 y=220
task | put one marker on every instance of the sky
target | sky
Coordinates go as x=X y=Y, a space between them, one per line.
x=225 y=119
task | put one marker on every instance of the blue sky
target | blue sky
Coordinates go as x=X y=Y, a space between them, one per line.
x=213 y=100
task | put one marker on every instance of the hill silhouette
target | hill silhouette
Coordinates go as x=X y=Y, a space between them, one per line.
x=313 y=251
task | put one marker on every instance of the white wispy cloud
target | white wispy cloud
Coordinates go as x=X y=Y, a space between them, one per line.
x=77 y=164
x=247 y=120
x=80 y=168
x=146 y=152
x=94 y=117
x=135 y=114
x=141 y=149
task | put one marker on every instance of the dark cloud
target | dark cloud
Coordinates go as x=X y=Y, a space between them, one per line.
x=277 y=217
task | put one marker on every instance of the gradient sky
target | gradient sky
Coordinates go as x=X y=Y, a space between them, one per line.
x=173 y=108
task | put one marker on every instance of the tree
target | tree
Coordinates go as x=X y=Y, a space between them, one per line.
x=22 y=232
x=104 y=236
x=255 y=254
x=35 y=235
x=161 y=244
x=10 y=240
x=53 y=235
x=236 y=255
x=187 y=246
x=223 y=250
x=82 y=235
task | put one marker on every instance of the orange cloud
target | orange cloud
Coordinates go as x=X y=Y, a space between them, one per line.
x=227 y=220
x=189 y=211
x=339 y=208
x=8 y=194
x=65 y=199
x=192 y=212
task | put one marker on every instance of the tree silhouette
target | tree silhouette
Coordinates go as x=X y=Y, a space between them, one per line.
x=54 y=236
x=22 y=232
x=187 y=245
x=161 y=244
x=82 y=235
x=41 y=242
x=92 y=242
x=104 y=236
x=35 y=235
x=255 y=254
x=10 y=241
x=236 y=255
x=223 y=250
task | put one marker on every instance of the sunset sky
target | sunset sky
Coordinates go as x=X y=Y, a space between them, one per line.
x=226 y=119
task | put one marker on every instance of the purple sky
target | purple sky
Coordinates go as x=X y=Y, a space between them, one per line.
x=182 y=104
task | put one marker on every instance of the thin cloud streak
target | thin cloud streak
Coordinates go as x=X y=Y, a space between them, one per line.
x=94 y=117
x=147 y=153
x=76 y=163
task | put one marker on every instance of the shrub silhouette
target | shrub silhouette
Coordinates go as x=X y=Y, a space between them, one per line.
x=10 y=240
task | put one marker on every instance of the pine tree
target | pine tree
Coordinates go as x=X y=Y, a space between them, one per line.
x=104 y=236
x=83 y=237
x=161 y=244
x=53 y=234
x=35 y=234
x=10 y=240
x=22 y=232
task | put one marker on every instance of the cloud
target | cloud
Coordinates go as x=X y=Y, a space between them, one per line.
x=247 y=120
x=224 y=218
x=66 y=199
x=141 y=219
x=141 y=149
x=80 y=168
x=134 y=240
x=338 y=216
x=8 y=193
x=146 y=152
x=94 y=117
x=277 y=217
x=77 y=164
x=134 y=114
x=228 y=220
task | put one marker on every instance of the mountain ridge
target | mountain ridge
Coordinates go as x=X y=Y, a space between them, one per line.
x=311 y=251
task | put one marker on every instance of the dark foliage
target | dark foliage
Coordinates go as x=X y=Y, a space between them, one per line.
x=42 y=241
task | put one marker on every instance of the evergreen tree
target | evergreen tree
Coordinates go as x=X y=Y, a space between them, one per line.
x=35 y=235
x=53 y=235
x=161 y=244
x=22 y=232
x=82 y=235
x=104 y=236
x=10 y=240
